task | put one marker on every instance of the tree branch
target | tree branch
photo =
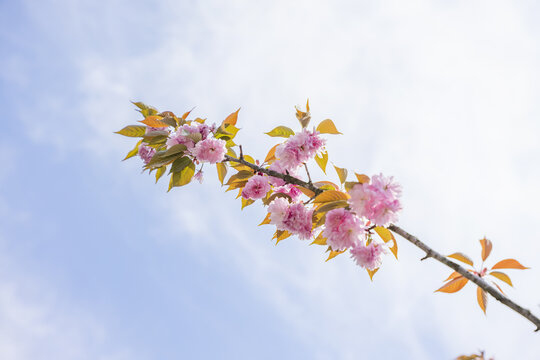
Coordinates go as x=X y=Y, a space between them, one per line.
x=430 y=253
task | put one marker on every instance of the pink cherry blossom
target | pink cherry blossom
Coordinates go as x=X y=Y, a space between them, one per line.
x=150 y=129
x=342 y=229
x=377 y=201
x=189 y=135
x=295 y=218
x=210 y=150
x=146 y=153
x=291 y=190
x=298 y=220
x=256 y=188
x=199 y=176
x=299 y=148
x=369 y=257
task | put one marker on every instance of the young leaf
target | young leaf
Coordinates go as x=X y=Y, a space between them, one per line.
x=186 y=114
x=454 y=285
x=462 y=257
x=327 y=127
x=362 y=179
x=306 y=192
x=160 y=171
x=247 y=202
x=281 y=131
x=325 y=207
x=498 y=287
x=132 y=131
x=175 y=149
x=509 y=264
x=266 y=220
x=342 y=173
x=387 y=236
x=328 y=185
x=333 y=254
x=481 y=297
x=271 y=156
x=231 y=119
x=330 y=195
x=319 y=240
x=322 y=161
x=271 y=198
x=183 y=177
x=372 y=273
x=133 y=152
x=179 y=164
x=486 y=248
x=453 y=276
x=154 y=121
x=501 y=276
x=281 y=235
x=221 y=171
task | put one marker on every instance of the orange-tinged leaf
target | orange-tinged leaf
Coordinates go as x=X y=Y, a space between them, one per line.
x=331 y=195
x=454 y=285
x=486 y=248
x=271 y=154
x=325 y=207
x=462 y=257
x=247 y=202
x=498 y=287
x=322 y=161
x=342 y=173
x=221 y=171
x=307 y=105
x=509 y=264
x=306 y=192
x=453 y=276
x=154 y=121
x=266 y=220
x=319 y=240
x=371 y=273
x=231 y=119
x=387 y=236
x=362 y=179
x=281 y=235
x=327 y=127
x=333 y=254
x=481 y=297
x=501 y=276
x=186 y=114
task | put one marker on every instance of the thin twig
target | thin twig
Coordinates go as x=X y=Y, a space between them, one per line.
x=307 y=171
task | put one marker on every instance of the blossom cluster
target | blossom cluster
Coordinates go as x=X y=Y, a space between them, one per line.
x=199 y=145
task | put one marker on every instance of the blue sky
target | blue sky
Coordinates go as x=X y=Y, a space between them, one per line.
x=97 y=262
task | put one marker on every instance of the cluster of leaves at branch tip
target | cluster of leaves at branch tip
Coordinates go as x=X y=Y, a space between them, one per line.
x=341 y=216
x=455 y=282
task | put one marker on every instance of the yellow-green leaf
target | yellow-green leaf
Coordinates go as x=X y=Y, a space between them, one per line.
x=342 y=173
x=509 y=264
x=327 y=127
x=281 y=235
x=501 y=276
x=326 y=185
x=486 y=248
x=322 y=160
x=330 y=195
x=221 y=171
x=319 y=240
x=134 y=151
x=247 y=202
x=481 y=297
x=160 y=171
x=175 y=149
x=183 y=177
x=325 y=207
x=281 y=131
x=266 y=220
x=132 y=131
x=179 y=164
x=462 y=257
x=454 y=285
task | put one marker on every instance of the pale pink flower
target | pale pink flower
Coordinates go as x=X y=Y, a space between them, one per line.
x=210 y=150
x=291 y=190
x=256 y=188
x=299 y=148
x=342 y=229
x=189 y=135
x=278 y=209
x=377 y=201
x=146 y=153
x=298 y=220
x=294 y=218
x=369 y=257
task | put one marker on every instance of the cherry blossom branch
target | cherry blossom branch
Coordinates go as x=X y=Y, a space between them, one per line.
x=430 y=253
